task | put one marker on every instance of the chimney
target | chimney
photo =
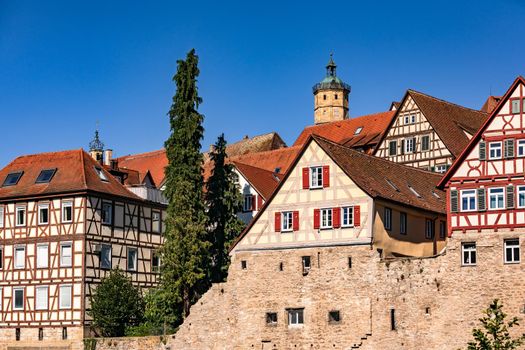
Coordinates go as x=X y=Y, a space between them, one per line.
x=108 y=154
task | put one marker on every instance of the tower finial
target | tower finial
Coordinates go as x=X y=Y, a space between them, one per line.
x=331 y=66
x=96 y=144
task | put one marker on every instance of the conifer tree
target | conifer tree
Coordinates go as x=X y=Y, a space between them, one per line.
x=224 y=201
x=185 y=249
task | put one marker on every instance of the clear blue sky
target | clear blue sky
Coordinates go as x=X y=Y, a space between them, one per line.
x=66 y=64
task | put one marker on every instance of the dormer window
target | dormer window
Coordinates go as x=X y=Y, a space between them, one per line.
x=101 y=174
x=45 y=176
x=358 y=130
x=12 y=178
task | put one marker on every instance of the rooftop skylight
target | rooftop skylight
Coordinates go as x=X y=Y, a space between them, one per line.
x=358 y=130
x=12 y=178
x=414 y=191
x=101 y=174
x=392 y=185
x=45 y=176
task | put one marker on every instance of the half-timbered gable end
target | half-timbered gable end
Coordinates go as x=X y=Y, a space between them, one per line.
x=334 y=195
x=486 y=187
x=65 y=222
x=428 y=133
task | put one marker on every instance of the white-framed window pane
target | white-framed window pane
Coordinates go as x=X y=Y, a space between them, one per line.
x=347 y=216
x=468 y=251
x=521 y=196
x=43 y=214
x=468 y=200
x=512 y=251
x=286 y=221
x=1 y=216
x=496 y=198
x=495 y=150
x=42 y=256
x=515 y=106
x=295 y=316
x=65 y=297
x=67 y=211
x=66 y=254
x=18 y=298
x=107 y=213
x=41 y=298
x=326 y=218
x=132 y=259
x=20 y=257
x=105 y=256
x=20 y=216
x=409 y=145
x=521 y=147
x=316 y=177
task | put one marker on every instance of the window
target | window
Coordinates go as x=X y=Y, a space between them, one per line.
x=243 y=264
x=64 y=333
x=441 y=168
x=521 y=147
x=20 y=216
x=410 y=119
x=425 y=143
x=347 y=214
x=388 y=219
x=468 y=251
x=442 y=229
x=326 y=218
x=1 y=216
x=65 y=297
x=132 y=259
x=18 y=298
x=107 y=211
x=41 y=298
x=521 y=196
x=403 y=223
x=66 y=254
x=67 y=211
x=512 y=251
x=248 y=200
x=358 y=130
x=410 y=145
x=316 y=177
x=324 y=97
x=515 y=106
x=155 y=221
x=307 y=264
x=20 y=257
x=334 y=316
x=101 y=174
x=12 y=179
x=45 y=176
x=42 y=256
x=295 y=317
x=1 y=267
x=286 y=221
x=155 y=262
x=392 y=148
x=495 y=150
x=349 y=262
x=496 y=198
x=43 y=214
x=335 y=96
x=468 y=200
x=40 y=333
x=393 y=319
x=17 y=334
x=105 y=256
x=429 y=229
x=271 y=318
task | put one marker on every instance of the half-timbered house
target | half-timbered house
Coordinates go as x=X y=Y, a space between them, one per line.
x=65 y=222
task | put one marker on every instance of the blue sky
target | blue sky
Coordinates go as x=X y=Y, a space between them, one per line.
x=64 y=65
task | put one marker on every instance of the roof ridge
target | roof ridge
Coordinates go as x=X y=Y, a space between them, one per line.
x=445 y=101
x=143 y=154
x=348 y=120
x=252 y=166
x=83 y=168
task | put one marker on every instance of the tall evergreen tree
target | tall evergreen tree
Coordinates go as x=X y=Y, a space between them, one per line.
x=224 y=202
x=185 y=249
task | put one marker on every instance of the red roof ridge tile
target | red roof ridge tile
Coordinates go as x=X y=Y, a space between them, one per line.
x=445 y=101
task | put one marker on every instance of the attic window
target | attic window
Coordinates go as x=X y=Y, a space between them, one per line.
x=392 y=185
x=45 y=176
x=436 y=195
x=414 y=191
x=101 y=174
x=12 y=178
x=358 y=130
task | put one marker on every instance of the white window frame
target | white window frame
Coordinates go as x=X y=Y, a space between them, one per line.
x=18 y=209
x=412 y=143
x=468 y=194
x=63 y=256
x=520 y=148
x=43 y=206
x=327 y=218
x=19 y=289
x=16 y=262
x=2 y=216
x=294 y=318
x=39 y=265
x=518 y=102
x=287 y=221
x=441 y=168
x=471 y=249
x=502 y=194
x=520 y=190
x=45 y=300
x=349 y=215
x=67 y=204
x=106 y=216
x=512 y=248
x=135 y=262
x=496 y=146
x=316 y=177
x=65 y=303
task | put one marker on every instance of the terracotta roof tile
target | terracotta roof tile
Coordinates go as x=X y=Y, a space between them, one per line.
x=270 y=160
x=264 y=181
x=155 y=162
x=260 y=143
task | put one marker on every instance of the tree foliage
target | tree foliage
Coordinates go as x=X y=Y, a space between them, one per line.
x=224 y=201
x=495 y=331
x=116 y=305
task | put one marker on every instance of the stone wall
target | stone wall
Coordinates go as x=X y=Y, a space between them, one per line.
x=29 y=338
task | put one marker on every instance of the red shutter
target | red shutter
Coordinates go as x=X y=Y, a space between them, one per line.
x=306 y=178
x=317 y=214
x=259 y=202
x=357 y=216
x=278 y=222
x=326 y=176
x=336 y=217
x=253 y=201
x=296 y=221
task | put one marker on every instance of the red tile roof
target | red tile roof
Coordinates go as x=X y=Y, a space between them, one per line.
x=263 y=181
x=373 y=126
x=75 y=173
x=270 y=160
x=155 y=162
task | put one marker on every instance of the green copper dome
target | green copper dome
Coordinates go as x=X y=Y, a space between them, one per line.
x=331 y=81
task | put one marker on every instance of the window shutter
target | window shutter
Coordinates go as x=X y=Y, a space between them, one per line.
x=510 y=196
x=482 y=206
x=336 y=217
x=253 y=202
x=259 y=202
x=277 y=222
x=357 y=216
x=295 y=221
x=509 y=148
x=454 y=201
x=326 y=176
x=414 y=145
x=317 y=213
x=402 y=147
x=306 y=178
x=482 y=150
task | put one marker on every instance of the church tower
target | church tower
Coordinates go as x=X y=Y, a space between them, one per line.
x=96 y=148
x=330 y=97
